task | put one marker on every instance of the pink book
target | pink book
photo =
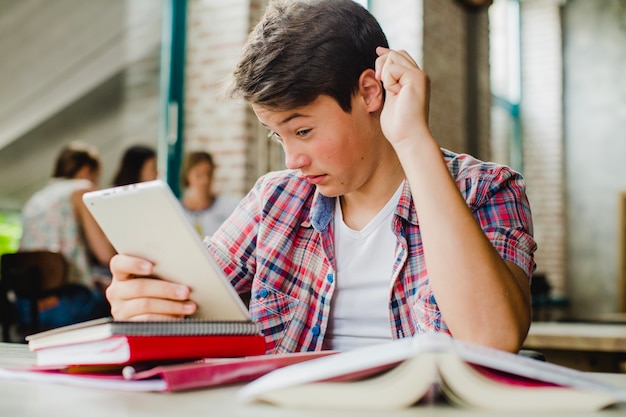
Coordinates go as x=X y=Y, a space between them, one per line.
x=204 y=373
x=214 y=372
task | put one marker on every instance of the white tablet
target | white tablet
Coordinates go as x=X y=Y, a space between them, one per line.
x=147 y=220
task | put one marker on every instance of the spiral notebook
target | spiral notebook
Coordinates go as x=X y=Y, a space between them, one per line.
x=99 y=329
x=108 y=342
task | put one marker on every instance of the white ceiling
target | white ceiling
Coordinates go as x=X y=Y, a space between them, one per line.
x=61 y=66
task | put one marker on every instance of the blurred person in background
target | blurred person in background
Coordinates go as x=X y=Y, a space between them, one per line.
x=56 y=219
x=138 y=164
x=205 y=208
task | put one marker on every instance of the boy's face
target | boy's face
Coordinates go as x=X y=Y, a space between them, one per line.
x=334 y=150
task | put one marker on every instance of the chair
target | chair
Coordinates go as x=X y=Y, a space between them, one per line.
x=30 y=275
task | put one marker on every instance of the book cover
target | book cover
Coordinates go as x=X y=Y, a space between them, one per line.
x=205 y=373
x=104 y=328
x=215 y=372
x=121 y=349
x=465 y=374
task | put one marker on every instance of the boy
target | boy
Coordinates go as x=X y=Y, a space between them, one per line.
x=374 y=232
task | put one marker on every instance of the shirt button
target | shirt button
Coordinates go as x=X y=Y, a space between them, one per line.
x=330 y=278
x=262 y=293
x=315 y=330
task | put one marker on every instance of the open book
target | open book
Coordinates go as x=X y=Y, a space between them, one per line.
x=402 y=372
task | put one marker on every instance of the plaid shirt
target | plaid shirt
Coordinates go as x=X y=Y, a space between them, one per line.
x=279 y=244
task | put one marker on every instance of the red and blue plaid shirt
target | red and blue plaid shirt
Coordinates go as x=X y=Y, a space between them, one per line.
x=278 y=244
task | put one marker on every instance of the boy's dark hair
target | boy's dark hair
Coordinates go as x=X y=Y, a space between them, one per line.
x=73 y=157
x=302 y=49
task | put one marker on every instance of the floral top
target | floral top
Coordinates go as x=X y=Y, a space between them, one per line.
x=50 y=223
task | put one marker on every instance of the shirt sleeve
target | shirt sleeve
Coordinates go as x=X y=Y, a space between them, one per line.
x=233 y=245
x=496 y=195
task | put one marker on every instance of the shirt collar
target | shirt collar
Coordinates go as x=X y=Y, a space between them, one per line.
x=322 y=211
x=323 y=208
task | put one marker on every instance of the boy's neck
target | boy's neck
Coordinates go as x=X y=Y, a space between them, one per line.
x=359 y=207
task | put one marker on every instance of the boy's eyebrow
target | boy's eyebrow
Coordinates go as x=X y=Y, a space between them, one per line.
x=286 y=119
x=291 y=117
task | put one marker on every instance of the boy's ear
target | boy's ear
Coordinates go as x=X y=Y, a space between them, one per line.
x=371 y=90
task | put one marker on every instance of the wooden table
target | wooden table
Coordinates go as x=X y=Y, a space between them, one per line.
x=588 y=346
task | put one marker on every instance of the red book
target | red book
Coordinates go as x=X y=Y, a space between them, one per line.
x=121 y=349
x=108 y=341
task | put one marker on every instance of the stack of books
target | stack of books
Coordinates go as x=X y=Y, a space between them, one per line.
x=219 y=344
x=165 y=356
x=111 y=342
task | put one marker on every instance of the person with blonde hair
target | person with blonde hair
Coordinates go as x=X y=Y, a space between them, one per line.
x=56 y=219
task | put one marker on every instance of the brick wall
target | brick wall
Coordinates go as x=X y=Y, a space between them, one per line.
x=214 y=122
x=215 y=32
x=542 y=130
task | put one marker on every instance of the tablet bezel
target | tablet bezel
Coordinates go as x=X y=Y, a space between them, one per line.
x=147 y=220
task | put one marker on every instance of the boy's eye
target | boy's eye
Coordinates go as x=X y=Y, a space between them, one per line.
x=303 y=132
x=276 y=137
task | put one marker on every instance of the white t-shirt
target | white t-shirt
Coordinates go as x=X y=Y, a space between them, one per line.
x=360 y=307
x=207 y=221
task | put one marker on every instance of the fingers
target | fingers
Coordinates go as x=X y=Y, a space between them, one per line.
x=128 y=277
x=124 y=267
x=142 y=297
x=141 y=308
x=393 y=68
x=407 y=88
x=381 y=51
x=134 y=296
x=148 y=287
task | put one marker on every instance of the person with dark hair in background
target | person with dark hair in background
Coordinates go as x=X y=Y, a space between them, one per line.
x=138 y=164
x=56 y=219
x=374 y=232
x=205 y=208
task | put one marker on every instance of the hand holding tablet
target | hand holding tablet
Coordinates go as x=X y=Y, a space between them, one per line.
x=145 y=220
